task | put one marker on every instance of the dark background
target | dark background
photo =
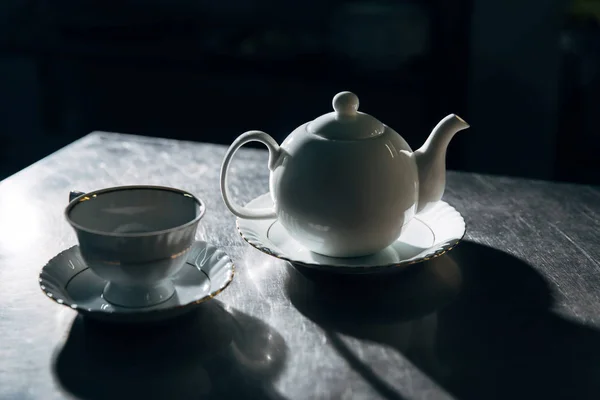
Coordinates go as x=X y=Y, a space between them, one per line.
x=524 y=74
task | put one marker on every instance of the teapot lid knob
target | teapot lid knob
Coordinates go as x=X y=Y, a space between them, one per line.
x=345 y=103
x=346 y=122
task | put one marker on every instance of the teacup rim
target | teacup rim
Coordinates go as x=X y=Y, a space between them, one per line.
x=77 y=200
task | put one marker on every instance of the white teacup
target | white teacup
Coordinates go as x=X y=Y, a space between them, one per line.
x=135 y=237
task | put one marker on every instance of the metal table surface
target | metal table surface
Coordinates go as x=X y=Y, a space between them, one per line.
x=512 y=312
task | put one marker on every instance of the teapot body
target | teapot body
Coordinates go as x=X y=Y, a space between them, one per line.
x=345 y=184
x=343 y=198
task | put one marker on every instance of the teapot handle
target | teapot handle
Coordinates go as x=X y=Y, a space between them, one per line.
x=274 y=153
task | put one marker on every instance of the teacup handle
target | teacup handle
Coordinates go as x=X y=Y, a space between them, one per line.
x=274 y=153
x=73 y=194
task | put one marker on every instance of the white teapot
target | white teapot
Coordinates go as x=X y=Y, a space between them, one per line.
x=344 y=184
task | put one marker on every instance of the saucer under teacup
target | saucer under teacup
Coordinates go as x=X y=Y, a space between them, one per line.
x=67 y=280
x=429 y=234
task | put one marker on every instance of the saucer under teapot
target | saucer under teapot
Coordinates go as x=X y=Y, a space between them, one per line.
x=430 y=234
x=345 y=185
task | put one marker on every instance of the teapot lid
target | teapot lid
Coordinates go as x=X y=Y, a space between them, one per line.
x=346 y=122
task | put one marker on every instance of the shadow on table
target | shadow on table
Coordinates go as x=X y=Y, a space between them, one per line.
x=478 y=322
x=211 y=353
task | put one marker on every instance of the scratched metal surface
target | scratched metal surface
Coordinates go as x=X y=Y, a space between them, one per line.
x=513 y=312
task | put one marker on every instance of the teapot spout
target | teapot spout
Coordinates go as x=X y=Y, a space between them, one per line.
x=431 y=161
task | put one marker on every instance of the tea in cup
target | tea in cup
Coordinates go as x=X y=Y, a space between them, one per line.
x=136 y=238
